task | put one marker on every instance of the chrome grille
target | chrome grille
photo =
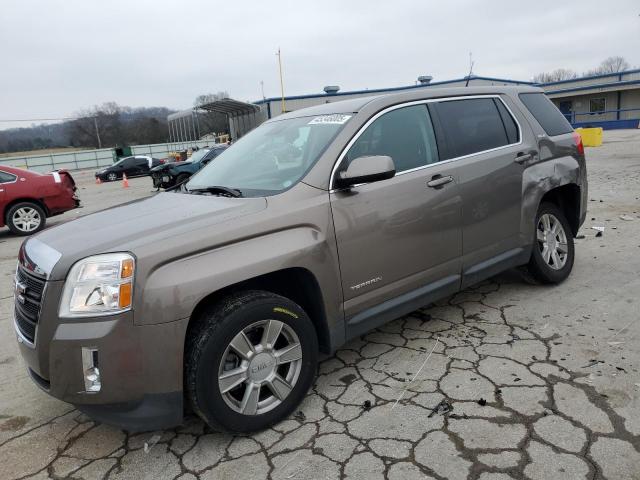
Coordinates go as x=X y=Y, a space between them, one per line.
x=28 y=298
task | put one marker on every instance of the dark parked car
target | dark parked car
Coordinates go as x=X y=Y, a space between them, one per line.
x=27 y=198
x=170 y=174
x=131 y=166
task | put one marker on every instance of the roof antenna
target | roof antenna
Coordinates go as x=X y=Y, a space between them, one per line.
x=470 y=68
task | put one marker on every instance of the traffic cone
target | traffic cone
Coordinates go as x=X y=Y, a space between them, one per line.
x=98 y=181
x=125 y=181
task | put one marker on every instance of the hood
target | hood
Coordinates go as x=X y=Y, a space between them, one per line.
x=132 y=226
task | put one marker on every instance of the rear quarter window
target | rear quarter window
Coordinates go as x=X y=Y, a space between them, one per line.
x=546 y=113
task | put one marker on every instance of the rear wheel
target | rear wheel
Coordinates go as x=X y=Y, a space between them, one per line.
x=25 y=218
x=553 y=249
x=249 y=361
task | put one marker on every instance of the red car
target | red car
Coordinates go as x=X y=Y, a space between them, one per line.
x=27 y=198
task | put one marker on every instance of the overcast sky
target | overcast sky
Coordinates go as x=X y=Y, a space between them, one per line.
x=60 y=56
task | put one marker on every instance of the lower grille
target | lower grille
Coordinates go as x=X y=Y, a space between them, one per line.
x=28 y=298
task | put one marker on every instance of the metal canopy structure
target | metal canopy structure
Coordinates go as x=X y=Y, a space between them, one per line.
x=229 y=106
x=185 y=125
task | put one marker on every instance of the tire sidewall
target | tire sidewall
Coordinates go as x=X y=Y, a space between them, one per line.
x=18 y=206
x=181 y=178
x=209 y=402
x=112 y=177
x=543 y=271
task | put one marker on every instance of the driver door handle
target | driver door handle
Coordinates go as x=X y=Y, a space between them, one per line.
x=522 y=157
x=438 y=181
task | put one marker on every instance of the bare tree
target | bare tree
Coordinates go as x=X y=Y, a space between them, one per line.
x=555 y=76
x=611 y=65
x=210 y=97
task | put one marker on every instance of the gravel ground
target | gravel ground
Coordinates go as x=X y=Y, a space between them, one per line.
x=537 y=382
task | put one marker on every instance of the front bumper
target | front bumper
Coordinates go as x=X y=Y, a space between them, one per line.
x=140 y=365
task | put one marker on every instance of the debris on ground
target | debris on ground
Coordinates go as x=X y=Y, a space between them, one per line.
x=300 y=416
x=482 y=402
x=592 y=363
x=443 y=407
x=599 y=229
x=621 y=369
x=151 y=442
x=498 y=392
x=366 y=405
x=626 y=218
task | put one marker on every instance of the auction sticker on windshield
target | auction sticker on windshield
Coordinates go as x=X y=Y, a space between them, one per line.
x=334 y=119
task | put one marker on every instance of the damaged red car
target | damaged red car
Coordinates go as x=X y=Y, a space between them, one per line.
x=27 y=198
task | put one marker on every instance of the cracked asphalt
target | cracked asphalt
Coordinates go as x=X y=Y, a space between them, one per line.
x=506 y=380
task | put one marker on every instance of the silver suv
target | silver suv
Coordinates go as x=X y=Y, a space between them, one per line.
x=316 y=227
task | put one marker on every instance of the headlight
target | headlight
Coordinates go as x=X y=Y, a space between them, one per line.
x=99 y=285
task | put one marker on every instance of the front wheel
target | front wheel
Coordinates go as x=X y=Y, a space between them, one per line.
x=249 y=361
x=183 y=177
x=112 y=176
x=25 y=218
x=553 y=249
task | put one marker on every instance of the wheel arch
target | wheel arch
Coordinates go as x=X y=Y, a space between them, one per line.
x=567 y=198
x=298 y=284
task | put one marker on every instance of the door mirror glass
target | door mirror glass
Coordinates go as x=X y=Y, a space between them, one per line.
x=366 y=169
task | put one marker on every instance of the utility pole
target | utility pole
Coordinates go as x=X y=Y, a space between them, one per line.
x=95 y=122
x=262 y=89
x=281 y=81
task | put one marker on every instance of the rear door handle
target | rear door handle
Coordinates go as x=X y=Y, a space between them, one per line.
x=438 y=181
x=522 y=157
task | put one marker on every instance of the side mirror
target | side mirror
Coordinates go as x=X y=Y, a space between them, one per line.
x=366 y=170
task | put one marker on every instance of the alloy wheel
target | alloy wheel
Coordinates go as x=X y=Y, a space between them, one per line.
x=552 y=241
x=260 y=367
x=112 y=177
x=26 y=219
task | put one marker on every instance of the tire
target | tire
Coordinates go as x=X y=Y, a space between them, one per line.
x=112 y=177
x=181 y=178
x=26 y=218
x=230 y=403
x=545 y=266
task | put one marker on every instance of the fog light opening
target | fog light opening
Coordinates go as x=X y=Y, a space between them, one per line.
x=91 y=372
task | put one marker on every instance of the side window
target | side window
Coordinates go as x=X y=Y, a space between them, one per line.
x=405 y=134
x=509 y=123
x=6 y=177
x=472 y=125
x=546 y=113
x=128 y=162
x=142 y=162
x=597 y=105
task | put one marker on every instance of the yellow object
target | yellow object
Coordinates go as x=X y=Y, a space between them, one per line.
x=591 y=137
x=125 y=295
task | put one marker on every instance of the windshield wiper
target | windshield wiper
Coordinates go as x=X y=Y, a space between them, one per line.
x=231 y=192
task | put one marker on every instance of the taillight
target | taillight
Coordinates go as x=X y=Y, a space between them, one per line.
x=578 y=139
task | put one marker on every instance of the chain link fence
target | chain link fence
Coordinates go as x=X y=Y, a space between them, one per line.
x=83 y=159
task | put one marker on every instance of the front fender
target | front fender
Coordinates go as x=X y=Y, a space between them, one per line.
x=172 y=291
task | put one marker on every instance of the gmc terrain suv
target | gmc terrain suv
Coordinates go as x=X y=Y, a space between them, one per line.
x=314 y=228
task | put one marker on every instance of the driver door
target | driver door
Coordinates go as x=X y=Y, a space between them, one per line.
x=399 y=240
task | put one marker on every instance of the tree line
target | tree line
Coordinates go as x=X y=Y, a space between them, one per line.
x=608 y=65
x=106 y=125
x=109 y=125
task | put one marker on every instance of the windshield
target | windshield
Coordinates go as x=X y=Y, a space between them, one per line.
x=197 y=156
x=271 y=158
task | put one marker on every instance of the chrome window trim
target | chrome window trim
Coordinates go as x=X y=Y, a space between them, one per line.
x=424 y=102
